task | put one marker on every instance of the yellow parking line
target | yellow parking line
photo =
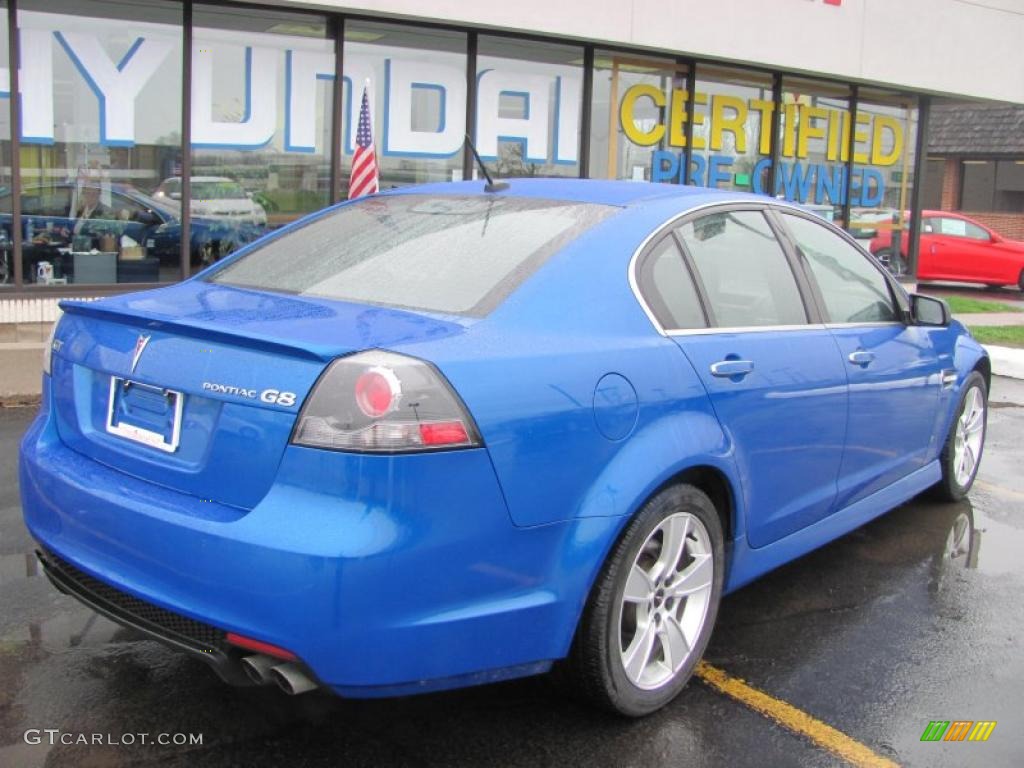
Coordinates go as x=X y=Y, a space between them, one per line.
x=788 y=716
x=999 y=489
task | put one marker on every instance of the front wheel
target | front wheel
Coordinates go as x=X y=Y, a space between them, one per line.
x=961 y=454
x=651 y=611
x=894 y=262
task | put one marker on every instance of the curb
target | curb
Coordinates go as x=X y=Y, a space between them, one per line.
x=1006 y=361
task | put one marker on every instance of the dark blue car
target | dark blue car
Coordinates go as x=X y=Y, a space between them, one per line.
x=440 y=437
x=52 y=231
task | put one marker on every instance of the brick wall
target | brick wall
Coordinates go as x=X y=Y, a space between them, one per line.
x=951 y=184
x=1010 y=225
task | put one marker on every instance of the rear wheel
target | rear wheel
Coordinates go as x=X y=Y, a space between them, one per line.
x=1020 y=280
x=965 y=442
x=652 y=609
x=895 y=263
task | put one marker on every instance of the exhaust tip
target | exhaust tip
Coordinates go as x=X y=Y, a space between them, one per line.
x=292 y=680
x=258 y=667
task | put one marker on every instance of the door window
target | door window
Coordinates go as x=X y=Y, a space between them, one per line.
x=854 y=289
x=962 y=228
x=744 y=270
x=666 y=286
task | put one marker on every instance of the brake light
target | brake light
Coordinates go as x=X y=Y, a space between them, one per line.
x=444 y=433
x=377 y=392
x=383 y=402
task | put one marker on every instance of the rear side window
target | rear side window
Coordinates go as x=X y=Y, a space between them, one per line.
x=666 y=286
x=745 y=272
x=449 y=254
x=854 y=290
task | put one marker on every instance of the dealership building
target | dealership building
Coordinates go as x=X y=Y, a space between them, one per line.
x=203 y=124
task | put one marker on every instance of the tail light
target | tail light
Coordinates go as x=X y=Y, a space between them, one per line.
x=383 y=402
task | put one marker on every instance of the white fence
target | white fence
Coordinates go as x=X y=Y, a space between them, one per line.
x=35 y=310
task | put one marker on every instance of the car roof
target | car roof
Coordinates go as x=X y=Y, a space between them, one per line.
x=598 y=191
x=199 y=178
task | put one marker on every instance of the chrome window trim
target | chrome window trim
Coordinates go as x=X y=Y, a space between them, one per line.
x=753 y=205
x=746 y=329
x=876 y=324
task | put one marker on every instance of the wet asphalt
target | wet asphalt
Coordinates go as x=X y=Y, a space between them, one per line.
x=915 y=617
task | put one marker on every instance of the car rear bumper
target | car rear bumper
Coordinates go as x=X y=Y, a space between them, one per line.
x=384 y=575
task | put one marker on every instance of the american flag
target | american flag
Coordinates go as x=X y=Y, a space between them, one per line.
x=364 y=180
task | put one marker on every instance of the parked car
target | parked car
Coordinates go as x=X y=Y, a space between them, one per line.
x=49 y=225
x=439 y=437
x=956 y=247
x=215 y=197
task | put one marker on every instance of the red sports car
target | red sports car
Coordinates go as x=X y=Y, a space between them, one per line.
x=954 y=247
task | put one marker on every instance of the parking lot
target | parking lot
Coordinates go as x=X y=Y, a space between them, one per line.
x=846 y=654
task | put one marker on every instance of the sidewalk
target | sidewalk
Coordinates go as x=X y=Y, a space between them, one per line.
x=991 y=318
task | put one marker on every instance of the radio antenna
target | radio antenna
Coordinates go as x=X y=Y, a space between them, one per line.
x=491 y=185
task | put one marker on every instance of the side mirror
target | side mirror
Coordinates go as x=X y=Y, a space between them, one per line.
x=175 y=195
x=995 y=238
x=927 y=310
x=147 y=217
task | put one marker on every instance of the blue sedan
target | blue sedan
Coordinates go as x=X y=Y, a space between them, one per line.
x=441 y=436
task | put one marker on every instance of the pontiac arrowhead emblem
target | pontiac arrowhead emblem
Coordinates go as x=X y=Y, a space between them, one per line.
x=140 y=345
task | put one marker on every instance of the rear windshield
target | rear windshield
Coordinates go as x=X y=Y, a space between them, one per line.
x=449 y=254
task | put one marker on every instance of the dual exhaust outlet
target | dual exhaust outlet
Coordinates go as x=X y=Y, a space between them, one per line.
x=264 y=670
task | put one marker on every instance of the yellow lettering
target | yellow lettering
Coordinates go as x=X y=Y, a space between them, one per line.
x=627 y=107
x=677 y=124
x=861 y=137
x=765 y=109
x=835 y=129
x=844 y=150
x=699 y=99
x=722 y=123
x=878 y=154
x=809 y=128
x=789 y=132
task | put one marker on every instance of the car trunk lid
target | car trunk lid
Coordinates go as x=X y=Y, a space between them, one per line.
x=197 y=387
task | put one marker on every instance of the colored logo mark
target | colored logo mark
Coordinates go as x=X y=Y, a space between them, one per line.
x=958 y=730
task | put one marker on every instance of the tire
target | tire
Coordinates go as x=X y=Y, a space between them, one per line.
x=1020 y=280
x=966 y=433
x=894 y=263
x=597 y=666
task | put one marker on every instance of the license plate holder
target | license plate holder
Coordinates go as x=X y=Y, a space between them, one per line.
x=145 y=414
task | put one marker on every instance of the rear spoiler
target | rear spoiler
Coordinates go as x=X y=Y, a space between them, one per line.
x=199 y=330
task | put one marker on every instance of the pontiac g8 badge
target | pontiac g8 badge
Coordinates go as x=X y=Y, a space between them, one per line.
x=140 y=345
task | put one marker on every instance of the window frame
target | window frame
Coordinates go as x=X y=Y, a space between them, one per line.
x=687 y=269
x=967 y=225
x=805 y=288
x=898 y=297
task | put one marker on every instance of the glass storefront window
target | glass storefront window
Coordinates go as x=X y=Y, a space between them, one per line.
x=98 y=133
x=814 y=130
x=529 y=101
x=634 y=100
x=640 y=104
x=262 y=95
x=732 y=129
x=417 y=95
x=883 y=165
x=6 y=244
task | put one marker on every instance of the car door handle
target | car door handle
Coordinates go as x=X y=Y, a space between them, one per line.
x=861 y=357
x=726 y=369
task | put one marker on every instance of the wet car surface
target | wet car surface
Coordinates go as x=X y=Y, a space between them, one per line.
x=912 y=618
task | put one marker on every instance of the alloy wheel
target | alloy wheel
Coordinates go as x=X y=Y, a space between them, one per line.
x=970 y=436
x=666 y=599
